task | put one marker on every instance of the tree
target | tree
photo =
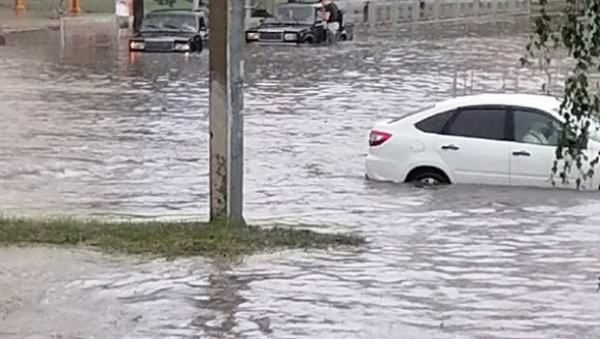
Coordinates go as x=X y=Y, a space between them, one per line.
x=577 y=31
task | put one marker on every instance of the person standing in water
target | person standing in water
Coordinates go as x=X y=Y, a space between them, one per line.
x=331 y=16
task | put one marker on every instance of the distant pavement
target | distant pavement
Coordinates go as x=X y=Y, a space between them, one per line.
x=25 y=22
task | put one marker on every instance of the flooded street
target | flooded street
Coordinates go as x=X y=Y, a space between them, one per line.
x=97 y=133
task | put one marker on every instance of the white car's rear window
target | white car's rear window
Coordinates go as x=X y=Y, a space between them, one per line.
x=412 y=112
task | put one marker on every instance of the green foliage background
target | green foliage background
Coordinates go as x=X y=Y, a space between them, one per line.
x=576 y=33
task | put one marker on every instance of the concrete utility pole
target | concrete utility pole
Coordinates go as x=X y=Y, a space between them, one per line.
x=226 y=64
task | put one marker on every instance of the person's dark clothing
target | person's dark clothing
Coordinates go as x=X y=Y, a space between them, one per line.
x=334 y=11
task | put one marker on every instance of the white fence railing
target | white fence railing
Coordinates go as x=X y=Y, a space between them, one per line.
x=466 y=82
x=389 y=12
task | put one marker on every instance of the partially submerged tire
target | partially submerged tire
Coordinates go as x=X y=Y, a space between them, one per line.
x=428 y=176
x=308 y=40
x=198 y=44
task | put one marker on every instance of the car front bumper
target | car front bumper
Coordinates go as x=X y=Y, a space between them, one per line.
x=160 y=50
x=272 y=42
x=273 y=37
x=276 y=43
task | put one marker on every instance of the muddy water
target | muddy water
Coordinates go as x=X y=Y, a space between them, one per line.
x=107 y=134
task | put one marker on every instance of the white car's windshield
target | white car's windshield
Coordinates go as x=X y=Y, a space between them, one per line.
x=594 y=130
x=169 y=22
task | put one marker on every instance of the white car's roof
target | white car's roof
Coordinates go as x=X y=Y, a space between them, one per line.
x=537 y=101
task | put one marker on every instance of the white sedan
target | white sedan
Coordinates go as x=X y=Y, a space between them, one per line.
x=492 y=139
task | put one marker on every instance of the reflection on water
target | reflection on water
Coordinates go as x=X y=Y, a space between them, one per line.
x=101 y=133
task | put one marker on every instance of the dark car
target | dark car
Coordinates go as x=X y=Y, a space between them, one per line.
x=297 y=23
x=171 y=30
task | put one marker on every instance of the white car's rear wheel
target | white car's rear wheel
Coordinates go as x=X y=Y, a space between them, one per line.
x=430 y=181
x=428 y=176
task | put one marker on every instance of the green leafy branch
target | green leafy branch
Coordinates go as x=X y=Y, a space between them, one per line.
x=576 y=30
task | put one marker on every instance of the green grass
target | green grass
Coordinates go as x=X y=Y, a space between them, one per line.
x=167 y=238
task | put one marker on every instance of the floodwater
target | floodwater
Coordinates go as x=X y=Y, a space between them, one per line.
x=106 y=134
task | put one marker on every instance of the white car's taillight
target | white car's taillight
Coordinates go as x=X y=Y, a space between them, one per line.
x=377 y=138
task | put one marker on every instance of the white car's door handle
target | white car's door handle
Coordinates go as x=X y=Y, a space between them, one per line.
x=521 y=153
x=451 y=147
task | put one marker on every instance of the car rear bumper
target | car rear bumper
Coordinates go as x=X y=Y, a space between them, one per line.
x=380 y=169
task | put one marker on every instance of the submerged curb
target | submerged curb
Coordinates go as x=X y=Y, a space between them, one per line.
x=25 y=28
x=30 y=29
